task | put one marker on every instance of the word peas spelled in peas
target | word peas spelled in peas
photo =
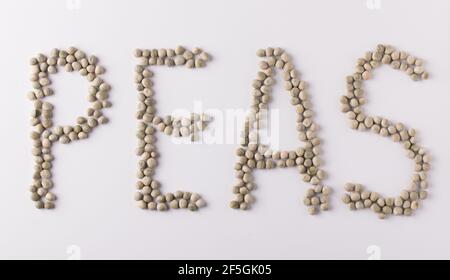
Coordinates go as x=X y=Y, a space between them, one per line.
x=251 y=154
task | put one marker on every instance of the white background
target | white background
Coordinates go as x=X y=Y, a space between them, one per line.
x=95 y=178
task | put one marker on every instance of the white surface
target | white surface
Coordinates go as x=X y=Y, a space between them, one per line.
x=95 y=178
